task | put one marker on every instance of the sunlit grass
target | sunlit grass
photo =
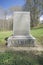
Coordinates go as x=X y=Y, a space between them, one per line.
x=38 y=34
x=3 y=35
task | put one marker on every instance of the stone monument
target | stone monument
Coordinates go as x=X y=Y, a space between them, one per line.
x=21 y=31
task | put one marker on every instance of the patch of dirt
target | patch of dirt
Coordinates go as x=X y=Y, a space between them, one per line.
x=4 y=48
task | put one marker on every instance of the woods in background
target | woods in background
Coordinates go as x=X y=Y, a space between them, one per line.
x=34 y=6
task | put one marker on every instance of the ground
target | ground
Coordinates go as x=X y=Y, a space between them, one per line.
x=21 y=58
x=24 y=55
x=38 y=34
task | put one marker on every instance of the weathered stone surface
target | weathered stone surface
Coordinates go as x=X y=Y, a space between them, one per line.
x=21 y=24
x=22 y=41
x=21 y=31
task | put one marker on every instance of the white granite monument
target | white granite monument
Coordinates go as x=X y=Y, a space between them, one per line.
x=21 y=31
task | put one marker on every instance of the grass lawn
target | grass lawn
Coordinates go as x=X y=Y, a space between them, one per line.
x=20 y=58
x=3 y=35
x=38 y=34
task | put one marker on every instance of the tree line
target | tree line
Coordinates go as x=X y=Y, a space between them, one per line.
x=34 y=6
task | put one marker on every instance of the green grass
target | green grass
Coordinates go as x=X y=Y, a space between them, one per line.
x=19 y=58
x=3 y=35
x=38 y=34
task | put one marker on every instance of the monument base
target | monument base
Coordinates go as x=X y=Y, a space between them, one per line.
x=21 y=41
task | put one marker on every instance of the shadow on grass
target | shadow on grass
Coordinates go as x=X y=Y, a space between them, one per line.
x=21 y=58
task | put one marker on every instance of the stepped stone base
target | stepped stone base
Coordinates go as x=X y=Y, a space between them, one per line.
x=21 y=41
